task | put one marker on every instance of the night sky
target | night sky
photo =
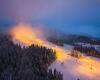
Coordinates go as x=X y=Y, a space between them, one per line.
x=70 y=16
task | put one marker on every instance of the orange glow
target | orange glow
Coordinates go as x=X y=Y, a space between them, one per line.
x=27 y=34
x=89 y=67
x=60 y=53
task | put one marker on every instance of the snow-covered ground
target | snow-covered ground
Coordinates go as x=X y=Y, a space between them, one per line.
x=97 y=47
x=68 y=47
x=86 y=68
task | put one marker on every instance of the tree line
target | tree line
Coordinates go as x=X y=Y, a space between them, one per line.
x=27 y=63
x=90 y=51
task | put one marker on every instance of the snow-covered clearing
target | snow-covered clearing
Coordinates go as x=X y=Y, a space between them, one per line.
x=86 y=68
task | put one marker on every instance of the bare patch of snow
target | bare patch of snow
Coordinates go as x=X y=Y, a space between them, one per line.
x=68 y=47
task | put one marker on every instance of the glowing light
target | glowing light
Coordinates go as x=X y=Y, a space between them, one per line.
x=28 y=35
x=60 y=53
x=89 y=67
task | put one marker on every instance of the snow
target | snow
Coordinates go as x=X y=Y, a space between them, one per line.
x=86 y=68
x=97 y=47
x=87 y=44
x=68 y=47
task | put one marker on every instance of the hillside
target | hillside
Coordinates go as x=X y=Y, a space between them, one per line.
x=27 y=63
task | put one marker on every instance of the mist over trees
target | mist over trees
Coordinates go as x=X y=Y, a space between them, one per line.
x=27 y=63
x=74 y=40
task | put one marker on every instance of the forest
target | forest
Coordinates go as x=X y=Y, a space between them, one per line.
x=26 y=63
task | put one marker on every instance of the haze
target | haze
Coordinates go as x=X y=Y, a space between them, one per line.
x=69 y=16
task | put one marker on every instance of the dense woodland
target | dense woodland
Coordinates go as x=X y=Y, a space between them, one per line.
x=90 y=51
x=27 y=63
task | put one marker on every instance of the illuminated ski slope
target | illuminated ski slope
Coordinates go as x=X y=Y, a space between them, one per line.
x=86 y=68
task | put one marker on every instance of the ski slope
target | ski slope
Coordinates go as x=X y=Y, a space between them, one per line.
x=86 y=68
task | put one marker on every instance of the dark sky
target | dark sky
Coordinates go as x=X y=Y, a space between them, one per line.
x=70 y=16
